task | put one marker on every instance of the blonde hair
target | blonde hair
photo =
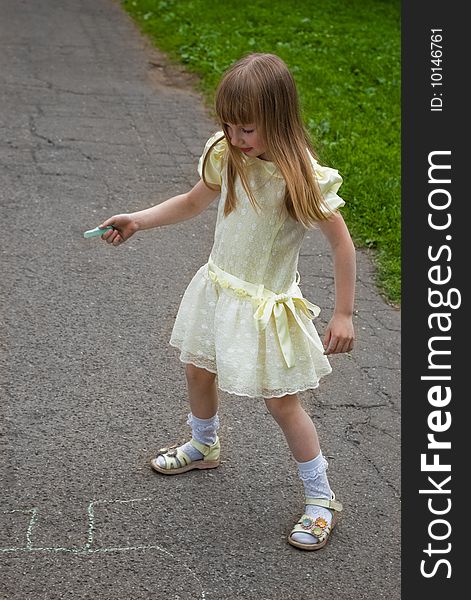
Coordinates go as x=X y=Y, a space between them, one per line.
x=260 y=89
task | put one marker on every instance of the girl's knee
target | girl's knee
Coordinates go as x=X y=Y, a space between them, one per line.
x=197 y=375
x=282 y=407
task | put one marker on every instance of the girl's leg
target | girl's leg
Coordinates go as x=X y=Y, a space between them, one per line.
x=203 y=418
x=303 y=441
x=297 y=426
x=202 y=392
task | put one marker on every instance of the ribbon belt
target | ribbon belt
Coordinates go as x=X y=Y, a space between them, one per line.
x=268 y=304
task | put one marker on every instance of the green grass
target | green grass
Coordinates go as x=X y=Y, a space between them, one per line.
x=345 y=57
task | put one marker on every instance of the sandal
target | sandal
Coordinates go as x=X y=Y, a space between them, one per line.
x=317 y=527
x=177 y=461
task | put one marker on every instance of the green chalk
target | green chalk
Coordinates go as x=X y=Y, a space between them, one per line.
x=97 y=231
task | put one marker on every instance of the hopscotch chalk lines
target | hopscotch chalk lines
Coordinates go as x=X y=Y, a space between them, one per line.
x=88 y=548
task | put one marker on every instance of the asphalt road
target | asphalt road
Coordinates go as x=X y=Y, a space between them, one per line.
x=94 y=121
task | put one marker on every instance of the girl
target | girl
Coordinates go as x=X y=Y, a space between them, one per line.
x=243 y=317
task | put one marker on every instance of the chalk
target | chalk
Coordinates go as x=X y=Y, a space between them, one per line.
x=97 y=231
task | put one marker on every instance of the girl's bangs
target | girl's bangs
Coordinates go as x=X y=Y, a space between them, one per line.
x=238 y=113
x=235 y=107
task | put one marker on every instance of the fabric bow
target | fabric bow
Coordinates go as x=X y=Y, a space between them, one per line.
x=278 y=305
x=268 y=304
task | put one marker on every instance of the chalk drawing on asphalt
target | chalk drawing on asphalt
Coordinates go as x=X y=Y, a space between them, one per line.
x=88 y=548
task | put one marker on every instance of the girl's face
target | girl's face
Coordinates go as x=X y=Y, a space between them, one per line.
x=246 y=138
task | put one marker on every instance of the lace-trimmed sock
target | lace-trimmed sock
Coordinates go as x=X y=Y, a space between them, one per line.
x=203 y=431
x=316 y=485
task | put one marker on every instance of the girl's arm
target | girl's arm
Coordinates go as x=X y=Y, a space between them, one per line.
x=339 y=335
x=174 y=210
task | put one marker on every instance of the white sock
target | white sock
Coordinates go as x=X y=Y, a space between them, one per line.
x=316 y=485
x=203 y=431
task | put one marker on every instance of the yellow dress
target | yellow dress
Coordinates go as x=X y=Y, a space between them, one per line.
x=242 y=315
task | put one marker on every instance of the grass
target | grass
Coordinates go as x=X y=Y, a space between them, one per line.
x=345 y=57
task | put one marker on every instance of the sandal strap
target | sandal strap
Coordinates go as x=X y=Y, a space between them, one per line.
x=203 y=448
x=183 y=458
x=176 y=459
x=329 y=504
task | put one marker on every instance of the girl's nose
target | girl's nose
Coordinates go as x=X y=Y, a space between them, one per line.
x=235 y=137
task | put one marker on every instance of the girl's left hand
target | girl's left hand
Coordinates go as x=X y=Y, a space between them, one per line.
x=339 y=335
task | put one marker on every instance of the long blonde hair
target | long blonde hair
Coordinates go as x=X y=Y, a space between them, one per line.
x=260 y=89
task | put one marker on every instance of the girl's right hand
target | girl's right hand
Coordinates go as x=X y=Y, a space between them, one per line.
x=124 y=227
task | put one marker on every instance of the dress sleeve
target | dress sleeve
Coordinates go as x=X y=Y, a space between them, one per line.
x=329 y=182
x=214 y=164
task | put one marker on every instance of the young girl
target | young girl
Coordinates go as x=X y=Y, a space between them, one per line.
x=243 y=317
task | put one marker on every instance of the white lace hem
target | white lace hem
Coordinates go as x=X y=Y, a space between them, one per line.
x=203 y=362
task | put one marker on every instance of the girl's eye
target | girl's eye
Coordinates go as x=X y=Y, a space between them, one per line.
x=246 y=131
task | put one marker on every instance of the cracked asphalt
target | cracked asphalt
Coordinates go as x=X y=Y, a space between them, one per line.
x=94 y=121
